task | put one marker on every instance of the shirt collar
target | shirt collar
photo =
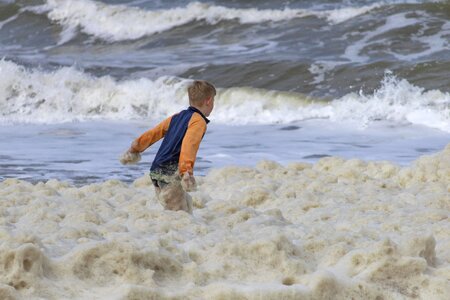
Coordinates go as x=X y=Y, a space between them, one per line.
x=201 y=114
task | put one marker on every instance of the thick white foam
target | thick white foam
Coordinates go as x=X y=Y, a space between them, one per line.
x=119 y=22
x=33 y=96
x=337 y=229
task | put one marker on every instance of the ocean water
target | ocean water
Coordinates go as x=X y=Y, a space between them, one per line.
x=324 y=173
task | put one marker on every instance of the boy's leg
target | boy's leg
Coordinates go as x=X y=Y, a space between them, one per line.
x=157 y=184
x=172 y=196
x=188 y=202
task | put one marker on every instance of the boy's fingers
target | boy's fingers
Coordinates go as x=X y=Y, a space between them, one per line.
x=130 y=158
x=188 y=182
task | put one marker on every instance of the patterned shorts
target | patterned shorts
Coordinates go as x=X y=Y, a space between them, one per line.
x=161 y=180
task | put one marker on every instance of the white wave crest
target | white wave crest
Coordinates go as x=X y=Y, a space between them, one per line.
x=120 y=22
x=398 y=101
x=395 y=101
x=66 y=95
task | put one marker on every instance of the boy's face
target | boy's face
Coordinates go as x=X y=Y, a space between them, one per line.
x=209 y=105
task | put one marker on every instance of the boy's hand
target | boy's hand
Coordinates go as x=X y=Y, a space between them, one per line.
x=188 y=182
x=130 y=157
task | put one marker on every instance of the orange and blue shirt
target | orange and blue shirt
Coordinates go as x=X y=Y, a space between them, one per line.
x=182 y=134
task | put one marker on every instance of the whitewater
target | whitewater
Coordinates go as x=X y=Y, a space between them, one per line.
x=335 y=229
x=65 y=95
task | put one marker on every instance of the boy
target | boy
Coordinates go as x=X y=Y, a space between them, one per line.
x=172 y=171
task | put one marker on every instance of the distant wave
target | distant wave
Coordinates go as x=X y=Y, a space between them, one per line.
x=65 y=95
x=119 y=22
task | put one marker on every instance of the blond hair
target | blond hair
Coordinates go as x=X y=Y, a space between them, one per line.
x=199 y=91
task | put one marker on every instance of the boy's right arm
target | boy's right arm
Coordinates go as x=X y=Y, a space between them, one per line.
x=150 y=137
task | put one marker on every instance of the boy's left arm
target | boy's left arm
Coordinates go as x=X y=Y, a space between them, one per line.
x=150 y=137
x=132 y=155
x=191 y=142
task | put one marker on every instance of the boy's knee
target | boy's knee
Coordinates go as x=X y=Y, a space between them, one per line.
x=173 y=197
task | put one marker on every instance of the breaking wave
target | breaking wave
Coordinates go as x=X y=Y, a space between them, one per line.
x=119 y=22
x=67 y=94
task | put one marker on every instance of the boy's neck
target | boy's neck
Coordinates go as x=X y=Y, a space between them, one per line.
x=201 y=109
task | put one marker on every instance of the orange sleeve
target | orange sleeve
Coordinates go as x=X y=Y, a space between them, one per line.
x=191 y=142
x=151 y=136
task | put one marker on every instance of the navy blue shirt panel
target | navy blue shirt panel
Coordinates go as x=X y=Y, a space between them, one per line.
x=168 y=155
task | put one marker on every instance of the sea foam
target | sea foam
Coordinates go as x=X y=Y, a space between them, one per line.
x=120 y=22
x=337 y=229
x=67 y=94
